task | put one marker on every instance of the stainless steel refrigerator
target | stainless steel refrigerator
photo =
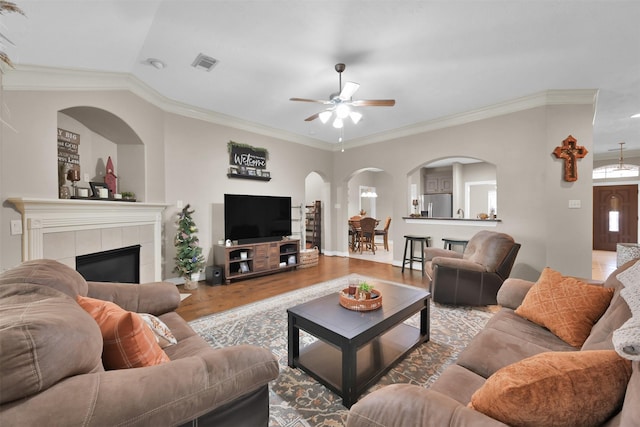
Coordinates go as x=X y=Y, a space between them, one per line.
x=437 y=205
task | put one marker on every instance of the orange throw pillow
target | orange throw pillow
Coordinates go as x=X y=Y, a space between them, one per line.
x=128 y=341
x=566 y=306
x=572 y=388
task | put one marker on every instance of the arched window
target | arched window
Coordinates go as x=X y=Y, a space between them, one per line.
x=616 y=171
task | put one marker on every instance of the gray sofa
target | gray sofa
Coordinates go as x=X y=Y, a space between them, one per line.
x=51 y=370
x=506 y=339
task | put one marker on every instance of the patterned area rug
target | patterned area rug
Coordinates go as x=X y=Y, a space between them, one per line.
x=297 y=400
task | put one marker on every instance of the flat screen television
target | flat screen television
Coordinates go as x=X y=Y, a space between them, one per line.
x=253 y=219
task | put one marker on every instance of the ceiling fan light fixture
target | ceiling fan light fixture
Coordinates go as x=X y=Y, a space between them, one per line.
x=341 y=103
x=324 y=116
x=342 y=111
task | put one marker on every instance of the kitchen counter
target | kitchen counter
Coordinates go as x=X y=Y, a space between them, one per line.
x=451 y=221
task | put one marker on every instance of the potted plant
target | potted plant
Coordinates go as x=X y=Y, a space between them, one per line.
x=365 y=290
x=128 y=195
x=189 y=259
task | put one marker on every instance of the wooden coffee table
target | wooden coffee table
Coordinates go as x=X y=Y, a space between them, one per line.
x=354 y=348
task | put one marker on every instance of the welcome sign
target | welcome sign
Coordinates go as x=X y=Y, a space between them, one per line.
x=248 y=157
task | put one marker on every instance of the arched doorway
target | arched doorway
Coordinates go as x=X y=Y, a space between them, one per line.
x=315 y=213
x=370 y=193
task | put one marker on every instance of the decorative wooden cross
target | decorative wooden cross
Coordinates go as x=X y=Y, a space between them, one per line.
x=570 y=153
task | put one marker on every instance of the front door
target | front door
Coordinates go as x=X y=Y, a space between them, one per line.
x=615 y=216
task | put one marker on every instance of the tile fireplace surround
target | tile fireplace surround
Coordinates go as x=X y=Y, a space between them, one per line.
x=63 y=229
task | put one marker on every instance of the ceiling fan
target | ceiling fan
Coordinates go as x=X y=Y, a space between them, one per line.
x=341 y=103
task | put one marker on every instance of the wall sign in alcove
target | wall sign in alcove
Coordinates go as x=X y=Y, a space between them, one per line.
x=247 y=162
x=68 y=161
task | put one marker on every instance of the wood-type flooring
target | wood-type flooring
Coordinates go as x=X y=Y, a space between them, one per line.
x=214 y=299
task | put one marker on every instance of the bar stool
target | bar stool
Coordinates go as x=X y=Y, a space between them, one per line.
x=409 y=240
x=449 y=243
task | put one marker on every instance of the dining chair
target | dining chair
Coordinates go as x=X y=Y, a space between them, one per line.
x=367 y=234
x=354 y=229
x=385 y=233
x=353 y=237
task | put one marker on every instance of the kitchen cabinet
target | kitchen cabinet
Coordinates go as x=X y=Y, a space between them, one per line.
x=435 y=184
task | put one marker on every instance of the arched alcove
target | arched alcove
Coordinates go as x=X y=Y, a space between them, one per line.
x=103 y=135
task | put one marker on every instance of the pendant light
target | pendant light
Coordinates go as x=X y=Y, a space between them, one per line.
x=621 y=165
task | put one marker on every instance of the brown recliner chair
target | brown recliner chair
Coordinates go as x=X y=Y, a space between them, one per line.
x=474 y=276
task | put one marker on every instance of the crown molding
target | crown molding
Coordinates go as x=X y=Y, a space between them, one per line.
x=539 y=99
x=30 y=77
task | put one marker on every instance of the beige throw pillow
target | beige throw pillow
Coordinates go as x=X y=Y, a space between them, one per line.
x=164 y=336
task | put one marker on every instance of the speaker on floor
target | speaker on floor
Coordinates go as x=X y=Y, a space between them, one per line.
x=214 y=275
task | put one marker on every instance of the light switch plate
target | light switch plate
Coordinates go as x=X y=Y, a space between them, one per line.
x=575 y=204
x=16 y=227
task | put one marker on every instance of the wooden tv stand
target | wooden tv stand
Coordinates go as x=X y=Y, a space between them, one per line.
x=259 y=258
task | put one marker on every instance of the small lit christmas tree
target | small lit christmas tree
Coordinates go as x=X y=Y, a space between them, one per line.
x=189 y=257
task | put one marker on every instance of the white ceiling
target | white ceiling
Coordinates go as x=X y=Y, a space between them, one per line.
x=436 y=58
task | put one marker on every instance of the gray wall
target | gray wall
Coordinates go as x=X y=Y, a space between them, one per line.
x=186 y=159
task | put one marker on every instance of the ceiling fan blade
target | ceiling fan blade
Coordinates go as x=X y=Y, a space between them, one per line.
x=311 y=100
x=374 y=103
x=311 y=118
x=348 y=90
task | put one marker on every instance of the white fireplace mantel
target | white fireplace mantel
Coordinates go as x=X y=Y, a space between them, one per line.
x=43 y=216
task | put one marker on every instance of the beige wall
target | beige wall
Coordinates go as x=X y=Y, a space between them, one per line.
x=186 y=159
x=532 y=196
x=196 y=169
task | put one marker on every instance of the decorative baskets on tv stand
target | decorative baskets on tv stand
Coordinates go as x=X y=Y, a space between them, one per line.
x=355 y=304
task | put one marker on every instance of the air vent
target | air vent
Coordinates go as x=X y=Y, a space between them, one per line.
x=204 y=62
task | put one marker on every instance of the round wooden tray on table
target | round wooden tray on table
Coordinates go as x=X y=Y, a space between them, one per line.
x=360 y=304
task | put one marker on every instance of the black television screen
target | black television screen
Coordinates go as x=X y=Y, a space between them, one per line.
x=251 y=219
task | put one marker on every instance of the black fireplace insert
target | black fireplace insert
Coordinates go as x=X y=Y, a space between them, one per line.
x=117 y=265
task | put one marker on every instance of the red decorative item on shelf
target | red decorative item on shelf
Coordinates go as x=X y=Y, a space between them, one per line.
x=110 y=178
